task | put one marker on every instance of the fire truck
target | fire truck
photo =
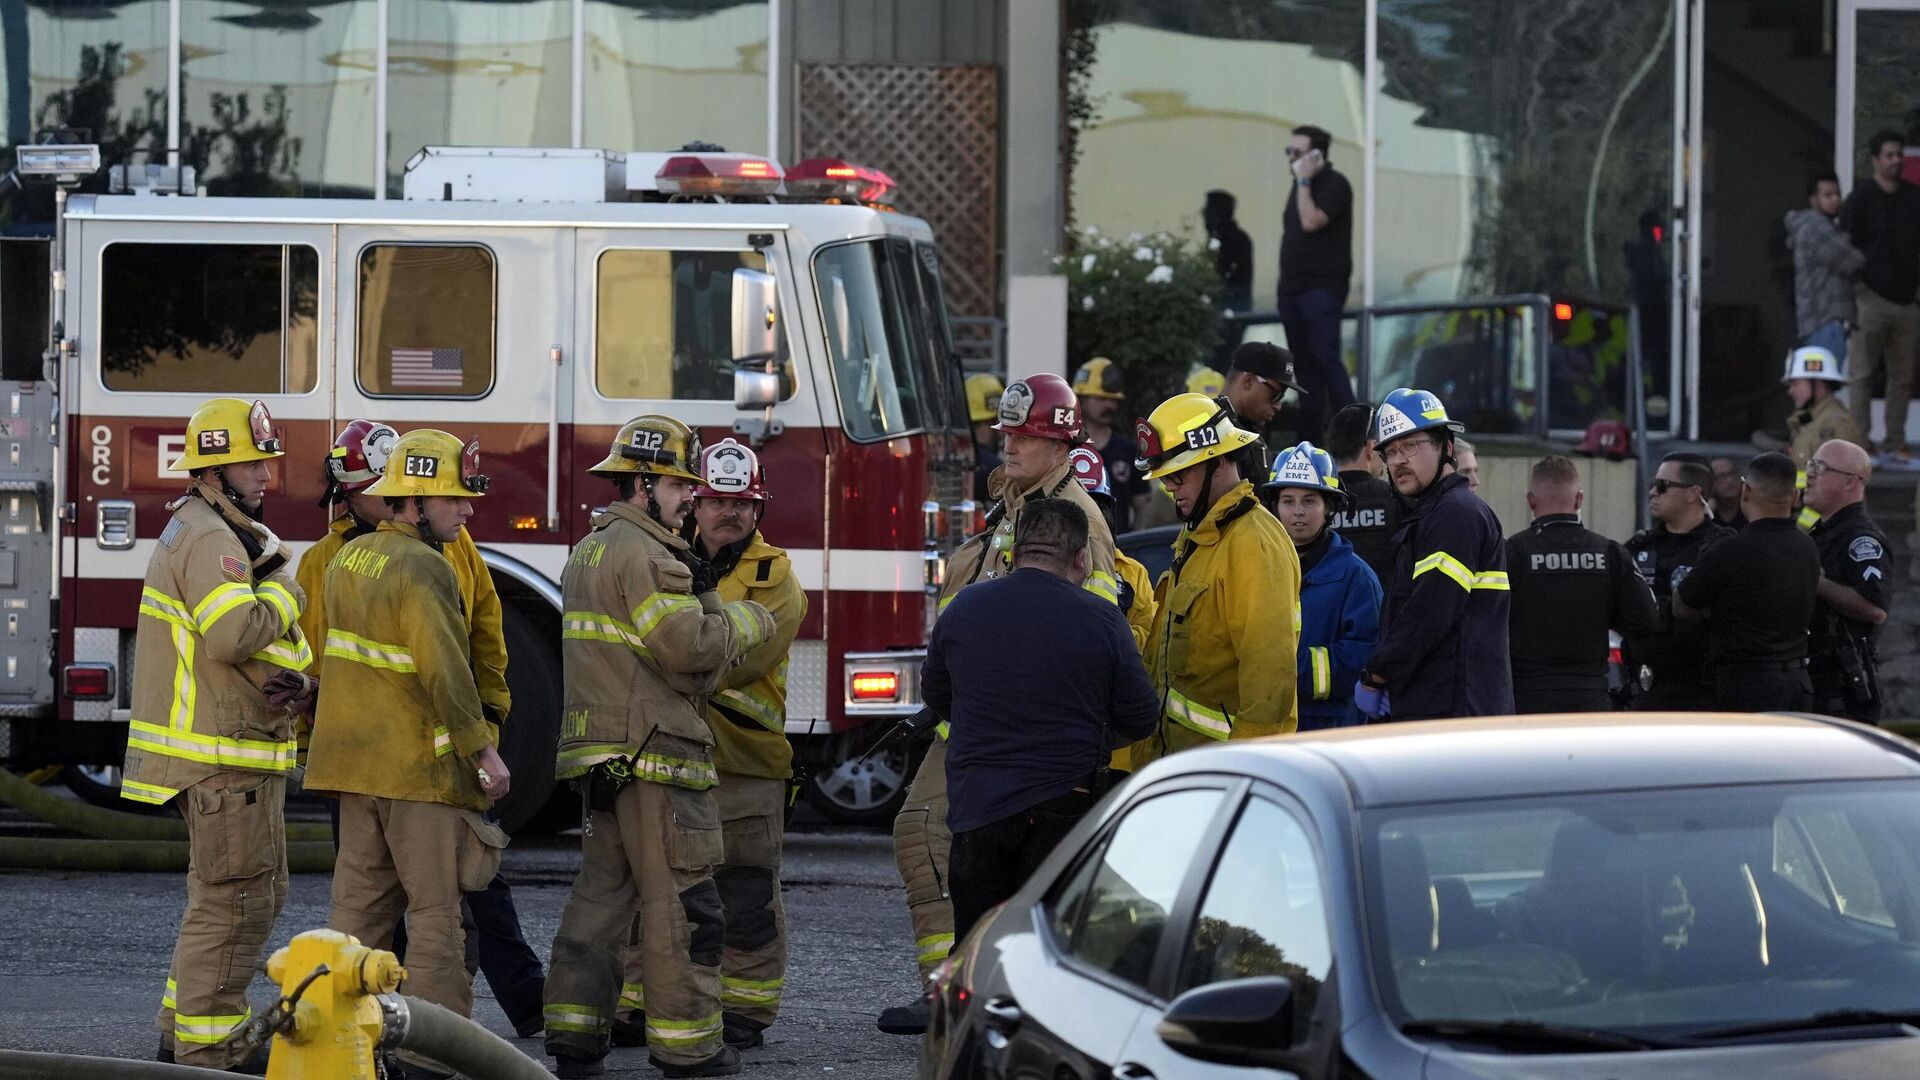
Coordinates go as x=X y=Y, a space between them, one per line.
x=534 y=299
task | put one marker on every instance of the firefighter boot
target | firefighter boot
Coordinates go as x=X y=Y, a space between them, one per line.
x=921 y=844
x=724 y=1063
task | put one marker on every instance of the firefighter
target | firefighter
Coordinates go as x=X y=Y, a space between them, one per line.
x=1136 y=587
x=983 y=408
x=646 y=638
x=1260 y=375
x=400 y=735
x=748 y=717
x=1443 y=634
x=1339 y=592
x=218 y=621
x=1570 y=587
x=1842 y=662
x=1040 y=417
x=1667 y=667
x=1813 y=378
x=358 y=457
x=1100 y=387
x=1226 y=622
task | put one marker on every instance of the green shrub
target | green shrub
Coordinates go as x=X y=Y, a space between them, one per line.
x=1146 y=303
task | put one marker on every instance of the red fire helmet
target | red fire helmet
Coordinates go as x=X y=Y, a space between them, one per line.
x=1043 y=406
x=729 y=470
x=359 y=455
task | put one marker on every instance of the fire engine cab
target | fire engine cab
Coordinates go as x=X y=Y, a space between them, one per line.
x=534 y=299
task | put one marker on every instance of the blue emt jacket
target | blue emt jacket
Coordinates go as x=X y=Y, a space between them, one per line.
x=1339 y=624
x=1443 y=635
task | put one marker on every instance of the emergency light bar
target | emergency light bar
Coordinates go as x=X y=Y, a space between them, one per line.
x=718 y=174
x=832 y=178
x=57 y=160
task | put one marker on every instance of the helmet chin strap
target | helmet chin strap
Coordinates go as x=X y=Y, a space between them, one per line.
x=233 y=497
x=1445 y=439
x=425 y=528
x=653 y=504
x=1204 y=501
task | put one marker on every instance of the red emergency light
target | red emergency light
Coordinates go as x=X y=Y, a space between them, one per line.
x=718 y=174
x=876 y=685
x=832 y=178
x=1563 y=312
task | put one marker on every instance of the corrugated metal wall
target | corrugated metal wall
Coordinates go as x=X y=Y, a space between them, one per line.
x=899 y=31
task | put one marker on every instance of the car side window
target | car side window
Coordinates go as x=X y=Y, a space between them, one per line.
x=1113 y=910
x=1264 y=911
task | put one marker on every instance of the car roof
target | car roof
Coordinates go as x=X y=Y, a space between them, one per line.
x=1507 y=757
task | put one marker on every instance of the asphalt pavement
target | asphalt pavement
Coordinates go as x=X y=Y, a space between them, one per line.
x=85 y=956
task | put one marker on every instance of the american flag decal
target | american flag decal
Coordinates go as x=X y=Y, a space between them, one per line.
x=427 y=369
x=233 y=567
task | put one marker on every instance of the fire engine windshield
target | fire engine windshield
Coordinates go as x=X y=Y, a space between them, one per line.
x=880 y=369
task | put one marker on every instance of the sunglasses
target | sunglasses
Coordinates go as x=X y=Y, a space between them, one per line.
x=1662 y=486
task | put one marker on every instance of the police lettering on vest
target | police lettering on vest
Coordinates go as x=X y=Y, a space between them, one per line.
x=1567 y=560
x=1370 y=518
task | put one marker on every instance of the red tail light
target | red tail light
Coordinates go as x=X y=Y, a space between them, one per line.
x=876 y=685
x=1614 y=656
x=88 y=682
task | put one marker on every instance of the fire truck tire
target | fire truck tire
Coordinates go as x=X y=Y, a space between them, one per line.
x=850 y=792
x=532 y=729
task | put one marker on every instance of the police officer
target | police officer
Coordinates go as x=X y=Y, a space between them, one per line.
x=1756 y=590
x=645 y=639
x=1443 y=633
x=748 y=717
x=1371 y=512
x=1260 y=375
x=218 y=620
x=1040 y=417
x=1227 y=623
x=1667 y=666
x=1568 y=587
x=400 y=735
x=1852 y=594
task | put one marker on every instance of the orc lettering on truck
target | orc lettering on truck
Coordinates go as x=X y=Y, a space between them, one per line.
x=102 y=437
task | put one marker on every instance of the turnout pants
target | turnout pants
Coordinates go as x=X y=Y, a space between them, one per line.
x=399 y=857
x=236 y=884
x=921 y=846
x=753 y=812
x=655 y=850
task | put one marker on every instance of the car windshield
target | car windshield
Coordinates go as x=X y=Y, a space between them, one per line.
x=1656 y=913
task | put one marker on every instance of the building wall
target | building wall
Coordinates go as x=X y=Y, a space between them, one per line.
x=898 y=31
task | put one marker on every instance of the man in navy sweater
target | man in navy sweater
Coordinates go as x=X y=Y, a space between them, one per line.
x=1039 y=680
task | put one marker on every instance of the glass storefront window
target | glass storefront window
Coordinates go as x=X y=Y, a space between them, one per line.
x=426 y=320
x=475 y=73
x=209 y=318
x=647 y=61
x=279 y=100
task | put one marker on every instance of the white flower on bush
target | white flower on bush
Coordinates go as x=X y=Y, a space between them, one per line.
x=1213 y=243
x=1086 y=302
x=1160 y=275
x=1086 y=263
x=1144 y=254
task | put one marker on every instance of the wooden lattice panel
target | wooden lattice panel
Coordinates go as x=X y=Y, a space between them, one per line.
x=935 y=128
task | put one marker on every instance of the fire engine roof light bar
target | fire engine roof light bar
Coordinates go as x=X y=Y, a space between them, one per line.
x=832 y=178
x=59 y=162
x=718 y=174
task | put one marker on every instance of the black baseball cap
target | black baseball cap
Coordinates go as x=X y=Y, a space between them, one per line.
x=1267 y=361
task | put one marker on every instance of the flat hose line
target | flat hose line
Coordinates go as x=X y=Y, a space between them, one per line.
x=100 y=823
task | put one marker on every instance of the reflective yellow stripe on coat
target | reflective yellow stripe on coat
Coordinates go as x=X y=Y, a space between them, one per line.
x=1196 y=717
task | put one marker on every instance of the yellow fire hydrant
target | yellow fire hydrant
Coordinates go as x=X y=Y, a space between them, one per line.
x=327 y=983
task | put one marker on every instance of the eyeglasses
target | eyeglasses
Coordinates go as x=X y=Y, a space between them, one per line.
x=1294 y=153
x=1661 y=485
x=1400 y=451
x=1816 y=467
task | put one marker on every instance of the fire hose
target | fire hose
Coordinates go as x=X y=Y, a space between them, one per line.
x=102 y=824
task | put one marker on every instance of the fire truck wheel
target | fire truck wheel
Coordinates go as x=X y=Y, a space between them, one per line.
x=100 y=785
x=852 y=792
x=533 y=728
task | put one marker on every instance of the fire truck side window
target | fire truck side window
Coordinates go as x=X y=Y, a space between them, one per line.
x=209 y=318
x=880 y=386
x=426 y=320
x=663 y=324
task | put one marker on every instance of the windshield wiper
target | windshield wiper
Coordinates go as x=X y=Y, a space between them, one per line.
x=1836 y=1018
x=1533 y=1033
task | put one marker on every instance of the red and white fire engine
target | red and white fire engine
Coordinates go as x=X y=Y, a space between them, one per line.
x=535 y=299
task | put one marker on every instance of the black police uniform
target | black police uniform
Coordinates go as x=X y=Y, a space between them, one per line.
x=1758 y=586
x=1569 y=587
x=1118 y=454
x=1675 y=654
x=1369 y=520
x=1443 y=626
x=1252 y=458
x=1841 y=661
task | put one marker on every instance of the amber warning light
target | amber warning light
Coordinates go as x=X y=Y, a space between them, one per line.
x=876 y=685
x=718 y=174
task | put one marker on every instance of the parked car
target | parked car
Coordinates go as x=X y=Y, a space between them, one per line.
x=1151 y=548
x=1614 y=895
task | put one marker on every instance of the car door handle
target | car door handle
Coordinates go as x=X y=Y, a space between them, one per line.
x=1128 y=1070
x=1003 y=1015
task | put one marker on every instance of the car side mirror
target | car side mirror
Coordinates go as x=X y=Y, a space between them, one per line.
x=1246 y=1022
x=756 y=319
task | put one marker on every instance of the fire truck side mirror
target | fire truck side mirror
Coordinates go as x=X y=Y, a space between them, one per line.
x=756 y=322
x=753 y=390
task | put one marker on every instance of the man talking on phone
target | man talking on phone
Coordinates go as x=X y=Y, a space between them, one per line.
x=1316 y=263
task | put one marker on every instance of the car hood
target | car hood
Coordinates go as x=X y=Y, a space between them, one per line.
x=1853 y=1059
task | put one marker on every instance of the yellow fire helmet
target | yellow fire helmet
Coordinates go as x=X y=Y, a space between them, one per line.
x=655 y=445
x=1186 y=430
x=431 y=462
x=983 y=398
x=1205 y=381
x=1100 y=377
x=228 y=431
